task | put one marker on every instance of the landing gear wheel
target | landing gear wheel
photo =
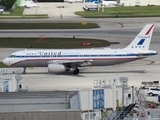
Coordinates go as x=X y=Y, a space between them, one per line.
x=75 y=72
x=24 y=72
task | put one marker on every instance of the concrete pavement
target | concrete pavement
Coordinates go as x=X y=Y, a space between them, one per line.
x=56 y=10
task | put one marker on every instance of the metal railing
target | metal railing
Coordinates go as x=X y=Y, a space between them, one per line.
x=147 y=114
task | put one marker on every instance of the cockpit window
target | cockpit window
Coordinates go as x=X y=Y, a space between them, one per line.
x=12 y=56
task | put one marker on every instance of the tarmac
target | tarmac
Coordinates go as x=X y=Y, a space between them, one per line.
x=137 y=72
x=122 y=30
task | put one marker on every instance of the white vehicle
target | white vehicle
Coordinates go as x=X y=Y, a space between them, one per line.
x=29 y=5
x=1 y=11
x=153 y=91
x=61 y=60
x=109 y=2
x=90 y=7
x=26 y=3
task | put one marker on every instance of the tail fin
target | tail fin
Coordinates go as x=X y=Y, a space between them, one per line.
x=143 y=39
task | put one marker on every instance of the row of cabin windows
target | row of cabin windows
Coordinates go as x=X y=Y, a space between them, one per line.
x=75 y=55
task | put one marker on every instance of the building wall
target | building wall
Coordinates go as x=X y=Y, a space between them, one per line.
x=35 y=100
x=140 y=2
x=74 y=102
x=99 y=98
x=49 y=115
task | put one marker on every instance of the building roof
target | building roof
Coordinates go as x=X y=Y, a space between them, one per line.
x=38 y=94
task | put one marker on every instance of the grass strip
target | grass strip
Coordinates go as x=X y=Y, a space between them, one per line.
x=3 y=66
x=18 y=13
x=82 y=25
x=52 y=43
x=131 y=11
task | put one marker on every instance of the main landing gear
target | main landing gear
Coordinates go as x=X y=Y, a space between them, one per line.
x=24 y=71
x=76 y=71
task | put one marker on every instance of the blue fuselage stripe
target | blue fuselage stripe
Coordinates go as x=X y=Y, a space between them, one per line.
x=96 y=55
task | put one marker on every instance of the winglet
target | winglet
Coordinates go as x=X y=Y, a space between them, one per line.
x=143 y=39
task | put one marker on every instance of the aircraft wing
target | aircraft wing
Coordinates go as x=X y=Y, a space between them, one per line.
x=75 y=62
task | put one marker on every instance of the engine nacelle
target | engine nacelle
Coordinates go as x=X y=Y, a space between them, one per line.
x=56 y=68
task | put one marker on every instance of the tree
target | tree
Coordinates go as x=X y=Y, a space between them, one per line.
x=7 y=3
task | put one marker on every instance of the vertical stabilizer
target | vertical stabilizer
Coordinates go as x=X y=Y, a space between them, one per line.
x=143 y=39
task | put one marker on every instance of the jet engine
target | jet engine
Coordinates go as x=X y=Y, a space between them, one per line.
x=56 y=68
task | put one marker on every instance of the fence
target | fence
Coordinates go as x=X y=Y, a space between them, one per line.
x=147 y=114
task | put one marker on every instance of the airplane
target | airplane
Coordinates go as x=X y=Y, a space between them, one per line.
x=61 y=60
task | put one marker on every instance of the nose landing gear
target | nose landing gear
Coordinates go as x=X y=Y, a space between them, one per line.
x=24 y=71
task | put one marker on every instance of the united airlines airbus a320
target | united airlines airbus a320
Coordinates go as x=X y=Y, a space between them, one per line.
x=61 y=60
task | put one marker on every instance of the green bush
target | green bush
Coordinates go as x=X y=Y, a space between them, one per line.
x=7 y=3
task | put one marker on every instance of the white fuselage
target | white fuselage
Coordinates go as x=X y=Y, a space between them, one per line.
x=96 y=57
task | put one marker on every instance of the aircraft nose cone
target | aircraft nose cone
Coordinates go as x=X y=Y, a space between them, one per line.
x=6 y=62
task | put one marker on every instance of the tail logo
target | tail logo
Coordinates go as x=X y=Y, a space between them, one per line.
x=145 y=36
x=141 y=42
